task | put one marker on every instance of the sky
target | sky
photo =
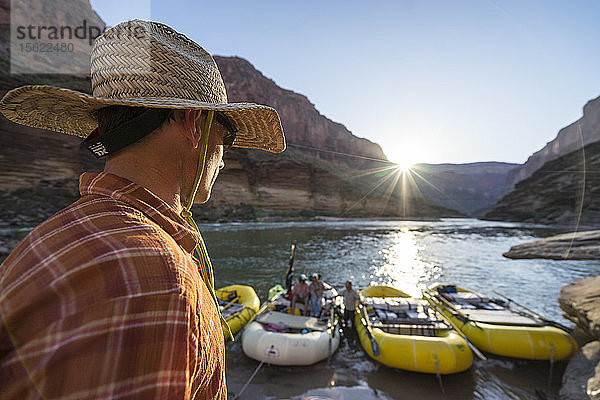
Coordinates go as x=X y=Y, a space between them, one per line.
x=429 y=81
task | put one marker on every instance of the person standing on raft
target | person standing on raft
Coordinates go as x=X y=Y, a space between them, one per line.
x=351 y=299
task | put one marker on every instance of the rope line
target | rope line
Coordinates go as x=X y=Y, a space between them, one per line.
x=339 y=153
x=580 y=208
x=390 y=162
x=237 y=396
x=569 y=170
x=206 y=268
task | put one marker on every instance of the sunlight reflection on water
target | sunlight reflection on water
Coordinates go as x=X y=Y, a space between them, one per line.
x=403 y=268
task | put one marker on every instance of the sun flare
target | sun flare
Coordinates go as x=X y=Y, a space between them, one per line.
x=404 y=166
x=406 y=159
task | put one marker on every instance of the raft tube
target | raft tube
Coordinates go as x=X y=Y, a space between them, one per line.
x=446 y=353
x=290 y=349
x=244 y=295
x=282 y=338
x=529 y=341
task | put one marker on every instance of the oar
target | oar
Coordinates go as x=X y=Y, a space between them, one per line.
x=270 y=298
x=333 y=323
x=457 y=313
x=453 y=309
x=367 y=324
x=331 y=333
x=260 y=310
x=290 y=270
x=230 y=303
x=549 y=321
x=428 y=298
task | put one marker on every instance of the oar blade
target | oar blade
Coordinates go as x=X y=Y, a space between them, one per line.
x=375 y=347
x=365 y=320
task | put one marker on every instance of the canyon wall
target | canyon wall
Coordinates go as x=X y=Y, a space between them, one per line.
x=306 y=129
x=564 y=191
x=581 y=132
x=469 y=188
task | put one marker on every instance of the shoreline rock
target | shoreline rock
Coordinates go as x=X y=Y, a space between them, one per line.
x=581 y=378
x=580 y=302
x=567 y=246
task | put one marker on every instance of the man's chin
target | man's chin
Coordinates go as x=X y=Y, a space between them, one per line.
x=202 y=198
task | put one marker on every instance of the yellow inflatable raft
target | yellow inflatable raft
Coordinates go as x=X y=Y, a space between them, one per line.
x=402 y=332
x=494 y=327
x=238 y=304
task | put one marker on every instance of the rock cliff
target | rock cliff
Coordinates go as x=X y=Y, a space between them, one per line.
x=564 y=191
x=584 y=131
x=305 y=128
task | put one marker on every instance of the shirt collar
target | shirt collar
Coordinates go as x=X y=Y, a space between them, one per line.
x=105 y=184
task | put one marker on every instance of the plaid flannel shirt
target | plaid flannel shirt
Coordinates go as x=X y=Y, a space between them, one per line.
x=104 y=300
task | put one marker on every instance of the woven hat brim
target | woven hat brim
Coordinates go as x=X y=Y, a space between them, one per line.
x=74 y=113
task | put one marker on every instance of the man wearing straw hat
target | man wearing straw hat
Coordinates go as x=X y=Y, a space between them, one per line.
x=113 y=296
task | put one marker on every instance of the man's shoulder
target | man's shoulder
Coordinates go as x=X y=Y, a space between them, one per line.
x=93 y=214
x=89 y=227
x=97 y=209
x=98 y=237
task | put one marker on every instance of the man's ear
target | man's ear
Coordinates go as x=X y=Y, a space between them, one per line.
x=190 y=129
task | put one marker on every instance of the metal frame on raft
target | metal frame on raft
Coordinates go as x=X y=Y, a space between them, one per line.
x=506 y=331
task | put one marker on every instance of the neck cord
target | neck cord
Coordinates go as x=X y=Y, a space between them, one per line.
x=206 y=269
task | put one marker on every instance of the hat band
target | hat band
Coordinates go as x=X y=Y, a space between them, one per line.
x=125 y=134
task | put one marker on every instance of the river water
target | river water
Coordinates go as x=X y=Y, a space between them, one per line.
x=407 y=255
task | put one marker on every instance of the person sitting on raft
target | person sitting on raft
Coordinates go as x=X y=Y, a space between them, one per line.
x=300 y=293
x=317 y=289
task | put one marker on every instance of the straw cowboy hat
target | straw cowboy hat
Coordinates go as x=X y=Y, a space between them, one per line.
x=144 y=64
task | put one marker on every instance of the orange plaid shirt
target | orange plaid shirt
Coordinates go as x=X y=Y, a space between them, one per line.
x=104 y=300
